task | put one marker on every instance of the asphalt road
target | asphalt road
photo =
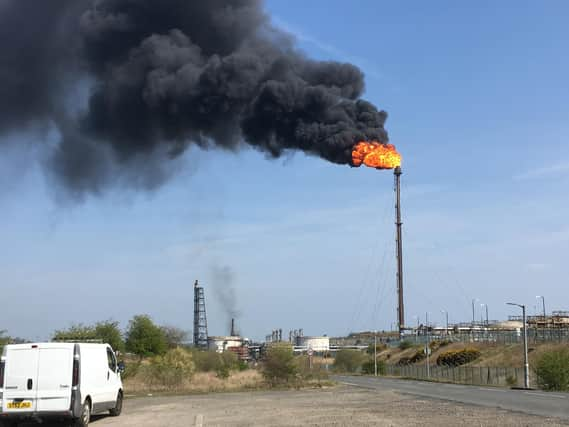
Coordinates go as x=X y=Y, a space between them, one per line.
x=526 y=401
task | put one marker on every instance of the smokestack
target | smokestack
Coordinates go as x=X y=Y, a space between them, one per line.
x=233 y=332
x=400 y=307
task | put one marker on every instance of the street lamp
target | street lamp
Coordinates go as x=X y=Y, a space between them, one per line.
x=543 y=305
x=526 y=363
x=473 y=312
x=375 y=352
x=446 y=315
x=428 y=347
x=485 y=305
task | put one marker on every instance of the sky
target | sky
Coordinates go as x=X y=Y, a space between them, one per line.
x=477 y=100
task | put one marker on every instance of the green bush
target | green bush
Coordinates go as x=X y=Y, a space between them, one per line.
x=349 y=361
x=368 y=367
x=552 y=370
x=404 y=345
x=170 y=370
x=144 y=338
x=458 y=357
x=279 y=365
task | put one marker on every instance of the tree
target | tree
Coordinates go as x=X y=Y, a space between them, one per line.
x=175 y=337
x=109 y=332
x=144 y=338
x=106 y=332
x=76 y=332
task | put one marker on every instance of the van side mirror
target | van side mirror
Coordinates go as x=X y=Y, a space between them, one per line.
x=121 y=367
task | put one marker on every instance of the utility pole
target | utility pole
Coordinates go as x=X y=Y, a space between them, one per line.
x=485 y=306
x=375 y=352
x=526 y=362
x=446 y=315
x=428 y=347
x=400 y=306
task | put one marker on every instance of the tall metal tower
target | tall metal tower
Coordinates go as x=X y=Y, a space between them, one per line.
x=400 y=307
x=200 y=319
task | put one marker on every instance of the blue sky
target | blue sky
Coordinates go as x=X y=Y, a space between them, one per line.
x=477 y=100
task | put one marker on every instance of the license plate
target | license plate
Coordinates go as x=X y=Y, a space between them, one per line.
x=19 y=405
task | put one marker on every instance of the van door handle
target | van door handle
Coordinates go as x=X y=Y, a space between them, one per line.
x=30 y=383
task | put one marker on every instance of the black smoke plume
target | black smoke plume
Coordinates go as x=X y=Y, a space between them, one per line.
x=164 y=74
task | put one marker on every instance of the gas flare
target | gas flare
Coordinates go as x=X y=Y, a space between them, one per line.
x=375 y=155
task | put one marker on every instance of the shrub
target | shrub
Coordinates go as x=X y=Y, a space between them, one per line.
x=349 y=361
x=310 y=371
x=211 y=361
x=458 y=357
x=552 y=370
x=170 y=370
x=130 y=370
x=279 y=365
x=368 y=367
x=404 y=361
x=404 y=345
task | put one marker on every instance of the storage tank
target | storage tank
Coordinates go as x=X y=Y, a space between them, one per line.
x=318 y=344
x=220 y=344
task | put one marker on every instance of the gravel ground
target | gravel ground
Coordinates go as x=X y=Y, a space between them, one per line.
x=338 y=406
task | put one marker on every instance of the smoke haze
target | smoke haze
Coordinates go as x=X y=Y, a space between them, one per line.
x=163 y=75
x=223 y=283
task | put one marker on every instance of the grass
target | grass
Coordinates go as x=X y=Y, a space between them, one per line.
x=201 y=382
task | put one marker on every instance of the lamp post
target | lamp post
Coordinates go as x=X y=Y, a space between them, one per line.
x=485 y=305
x=427 y=347
x=543 y=304
x=375 y=352
x=417 y=330
x=446 y=315
x=526 y=363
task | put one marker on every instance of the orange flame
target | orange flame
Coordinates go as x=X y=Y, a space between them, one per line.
x=375 y=155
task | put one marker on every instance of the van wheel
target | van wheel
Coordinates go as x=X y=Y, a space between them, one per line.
x=83 y=420
x=116 y=411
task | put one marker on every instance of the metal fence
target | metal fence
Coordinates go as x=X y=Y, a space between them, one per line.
x=461 y=374
x=498 y=337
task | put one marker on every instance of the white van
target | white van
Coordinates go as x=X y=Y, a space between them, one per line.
x=58 y=380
